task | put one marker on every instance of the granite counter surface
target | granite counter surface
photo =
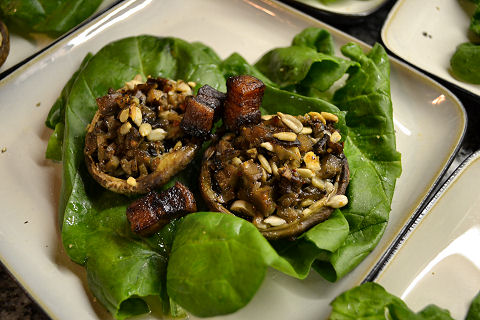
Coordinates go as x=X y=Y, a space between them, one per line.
x=15 y=304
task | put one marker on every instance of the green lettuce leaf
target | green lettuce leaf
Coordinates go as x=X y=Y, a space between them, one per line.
x=465 y=63
x=307 y=66
x=53 y=17
x=371 y=152
x=94 y=227
x=475 y=21
x=54 y=147
x=474 y=310
x=370 y=301
x=228 y=257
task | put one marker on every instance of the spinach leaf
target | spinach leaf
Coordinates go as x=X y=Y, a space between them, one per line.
x=57 y=111
x=318 y=39
x=474 y=310
x=54 y=147
x=53 y=17
x=308 y=64
x=371 y=301
x=475 y=21
x=371 y=151
x=465 y=63
x=56 y=117
x=218 y=261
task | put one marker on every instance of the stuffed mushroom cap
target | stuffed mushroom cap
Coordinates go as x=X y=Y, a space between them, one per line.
x=285 y=174
x=135 y=142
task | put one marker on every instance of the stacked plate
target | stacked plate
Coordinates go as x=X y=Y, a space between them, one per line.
x=430 y=123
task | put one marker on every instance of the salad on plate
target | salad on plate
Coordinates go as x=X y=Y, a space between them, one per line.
x=210 y=263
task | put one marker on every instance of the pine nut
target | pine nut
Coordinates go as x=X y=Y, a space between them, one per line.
x=306 y=130
x=157 y=134
x=335 y=137
x=317 y=115
x=285 y=136
x=264 y=163
x=145 y=129
x=305 y=173
x=132 y=181
x=125 y=128
x=274 y=168
x=291 y=122
x=337 y=201
x=136 y=115
x=329 y=116
x=123 y=116
x=267 y=117
x=264 y=175
x=274 y=221
x=267 y=145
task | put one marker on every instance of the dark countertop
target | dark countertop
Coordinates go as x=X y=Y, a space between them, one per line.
x=16 y=304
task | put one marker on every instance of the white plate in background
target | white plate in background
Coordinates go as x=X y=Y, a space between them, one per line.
x=426 y=34
x=439 y=262
x=345 y=7
x=22 y=48
x=429 y=122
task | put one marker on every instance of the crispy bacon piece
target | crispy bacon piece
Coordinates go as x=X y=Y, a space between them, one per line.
x=244 y=97
x=198 y=118
x=213 y=98
x=202 y=111
x=150 y=213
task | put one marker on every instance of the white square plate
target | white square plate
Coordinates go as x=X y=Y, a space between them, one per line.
x=439 y=262
x=429 y=121
x=358 y=8
x=426 y=34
